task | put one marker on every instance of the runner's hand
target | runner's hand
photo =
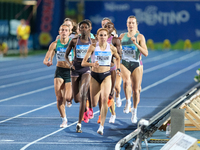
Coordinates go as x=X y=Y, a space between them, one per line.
x=49 y=63
x=96 y=64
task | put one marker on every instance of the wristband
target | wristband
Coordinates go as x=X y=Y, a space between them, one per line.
x=119 y=69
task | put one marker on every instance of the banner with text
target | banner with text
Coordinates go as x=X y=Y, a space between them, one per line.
x=158 y=21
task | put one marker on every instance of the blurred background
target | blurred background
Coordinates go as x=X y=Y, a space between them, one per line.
x=166 y=25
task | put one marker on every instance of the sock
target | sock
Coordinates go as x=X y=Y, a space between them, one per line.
x=135 y=110
x=64 y=119
x=128 y=100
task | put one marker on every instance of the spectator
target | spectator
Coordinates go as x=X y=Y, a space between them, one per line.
x=23 y=32
x=3 y=48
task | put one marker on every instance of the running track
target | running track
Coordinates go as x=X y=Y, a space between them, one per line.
x=29 y=118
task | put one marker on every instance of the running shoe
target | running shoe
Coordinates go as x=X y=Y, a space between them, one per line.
x=69 y=104
x=118 y=102
x=99 y=120
x=78 y=128
x=127 y=107
x=100 y=130
x=64 y=124
x=110 y=102
x=112 y=119
x=85 y=116
x=134 y=117
x=90 y=113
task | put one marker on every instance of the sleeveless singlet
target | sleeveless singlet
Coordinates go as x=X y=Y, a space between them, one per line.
x=130 y=51
x=103 y=57
x=60 y=51
x=81 y=49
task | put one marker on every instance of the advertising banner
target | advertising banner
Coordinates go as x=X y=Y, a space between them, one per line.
x=50 y=15
x=174 y=21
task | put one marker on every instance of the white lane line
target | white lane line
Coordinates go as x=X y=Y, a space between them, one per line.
x=172 y=75
x=159 y=57
x=28 y=112
x=19 y=66
x=26 y=81
x=29 y=144
x=145 y=71
x=171 y=62
x=28 y=93
x=146 y=88
x=27 y=72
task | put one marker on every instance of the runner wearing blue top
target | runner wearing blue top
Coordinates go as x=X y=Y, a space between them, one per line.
x=80 y=75
x=62 y=80
x=133 y=43
x=100 y=83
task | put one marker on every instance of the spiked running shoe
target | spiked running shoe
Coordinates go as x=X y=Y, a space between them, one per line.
x=100 y=130
x=99 y=120
x=118 y=102
x=110 y=102
x=78 y=128
x=64 y=124
x=134 y=117
x=112 y=119
x=127 y=107
x=85 y=117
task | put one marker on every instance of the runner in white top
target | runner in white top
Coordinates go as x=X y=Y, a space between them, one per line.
x=100 y=83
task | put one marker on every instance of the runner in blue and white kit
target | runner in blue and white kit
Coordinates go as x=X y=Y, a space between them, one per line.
x=133 y=43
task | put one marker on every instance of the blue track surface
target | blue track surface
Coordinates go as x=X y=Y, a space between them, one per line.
x=29 y=118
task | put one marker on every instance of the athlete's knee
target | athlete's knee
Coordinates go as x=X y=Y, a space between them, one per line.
x=136 y=91
x=127 y=83
x=76 y=99
x=59 y=98
x=94 y=104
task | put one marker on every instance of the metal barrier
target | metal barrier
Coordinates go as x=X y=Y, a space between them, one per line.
x=146 y=130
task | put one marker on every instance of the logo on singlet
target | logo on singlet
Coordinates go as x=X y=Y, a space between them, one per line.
x=61 y=49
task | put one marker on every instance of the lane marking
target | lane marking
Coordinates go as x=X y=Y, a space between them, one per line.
x=26 y=72
x=146 y=88
x=145 y=71
x=159 y=57
x=170 y=62
x=26 y=81
x=20 y=66
x=28 y=93
x=28 y=112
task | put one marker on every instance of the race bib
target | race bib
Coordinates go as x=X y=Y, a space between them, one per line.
x=81 y=50
x=129 y=51
x=103 y=57
x=61 y=54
